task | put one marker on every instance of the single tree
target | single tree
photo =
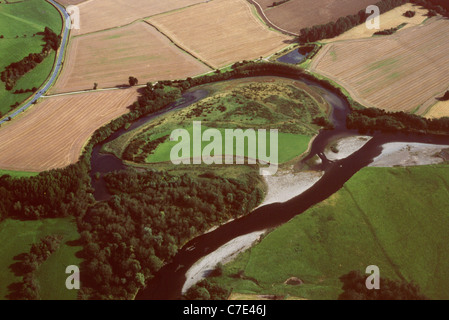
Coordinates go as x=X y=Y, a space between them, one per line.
x=95 y=86
x=133 y=81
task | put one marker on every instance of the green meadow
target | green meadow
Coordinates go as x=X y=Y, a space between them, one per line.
x=18 y=236
x=395 y=218
x=19 y=22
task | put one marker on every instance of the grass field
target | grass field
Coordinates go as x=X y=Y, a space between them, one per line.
x=53 y=133
x=106 y=14
x=389 y=19
x=257 y=103
x=18 y=174
x=109 y=58
x=18 y=23
x=297 y=14
x=17 y=238
x=402 y=72
x=229 y=31
x=439 y=110
x=395 y=218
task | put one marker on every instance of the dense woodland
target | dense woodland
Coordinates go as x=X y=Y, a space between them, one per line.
x=343 y=24
x=16 y=70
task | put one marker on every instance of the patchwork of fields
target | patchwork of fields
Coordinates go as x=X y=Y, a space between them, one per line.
x=109 y=58
x=105 y=14
x=52 y=134
x=221 y=32
x=402 y=72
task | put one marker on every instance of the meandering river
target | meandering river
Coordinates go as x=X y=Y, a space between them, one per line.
x=168 y=282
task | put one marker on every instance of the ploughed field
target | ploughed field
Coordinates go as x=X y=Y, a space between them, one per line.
x=52 y=134
x=98 y=15
x=406 y=71
x=109 y=58
x=220 y=32
x=294 y=15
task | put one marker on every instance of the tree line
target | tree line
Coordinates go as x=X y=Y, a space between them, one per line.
x=16 y=70
x=343 y=24
x=372 y=119
x=39 y=252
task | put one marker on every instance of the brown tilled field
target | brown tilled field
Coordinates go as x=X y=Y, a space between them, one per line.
x=105 y=14
x=109 y=58
x=220 y=32
x=53 y=133
x=404 y=71
x=297 y=14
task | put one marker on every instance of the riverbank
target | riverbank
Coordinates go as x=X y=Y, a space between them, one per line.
x=409 y=154
x=283 y=186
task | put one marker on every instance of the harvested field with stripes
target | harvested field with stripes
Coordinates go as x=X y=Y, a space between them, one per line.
x=401 y=72
x=221 y=32
x=98 y=15
x=52 y=133
x=109 y=58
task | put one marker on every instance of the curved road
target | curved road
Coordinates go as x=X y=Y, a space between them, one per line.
x=66 y=27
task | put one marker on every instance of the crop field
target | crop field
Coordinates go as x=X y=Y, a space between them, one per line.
x=19 y=22
x=52 y=133
x=268 y=103
x=389 y=19
x=405 y=236
x=439 y=110
x=297 y=14
x=109 y=58
x=220 y=32
x=18 y=236
x=401 y=72
x=98 y=15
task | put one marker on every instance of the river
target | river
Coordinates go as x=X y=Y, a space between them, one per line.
x=168 y=282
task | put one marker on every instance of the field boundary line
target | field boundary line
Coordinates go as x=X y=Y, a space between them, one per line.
x=137 y=20
x=179 y=46
x=268 y=21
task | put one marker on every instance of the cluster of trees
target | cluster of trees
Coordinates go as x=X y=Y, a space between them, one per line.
x=28 y=289
x=51 y=194
x=388 y=32
x=343 y=24
x=409 y=14
x=206 y=290
x=127 y=239
x=372 y=119
x=354 y=288
x=34 y=89
x=145 y=148
x=16 y=70
x=278 y=3
x=435 y=6
x=445 y=97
